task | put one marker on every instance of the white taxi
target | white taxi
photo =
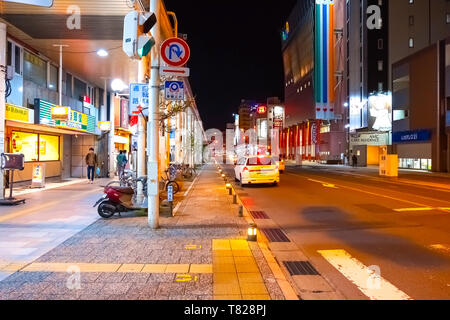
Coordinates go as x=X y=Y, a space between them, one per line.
x=257 y=169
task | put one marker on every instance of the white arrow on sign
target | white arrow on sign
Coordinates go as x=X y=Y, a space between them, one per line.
x=41 y=3
x=175 y=71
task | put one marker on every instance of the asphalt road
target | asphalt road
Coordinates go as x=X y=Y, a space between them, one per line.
x=401 y=228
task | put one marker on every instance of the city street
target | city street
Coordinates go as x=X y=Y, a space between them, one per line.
x=401 y=227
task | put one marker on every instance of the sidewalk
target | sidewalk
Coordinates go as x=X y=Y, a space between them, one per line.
x=201 y=253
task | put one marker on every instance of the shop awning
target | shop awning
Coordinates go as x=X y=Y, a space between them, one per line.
x=44 y=128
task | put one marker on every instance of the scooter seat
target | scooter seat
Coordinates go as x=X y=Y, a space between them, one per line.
x=125 y=190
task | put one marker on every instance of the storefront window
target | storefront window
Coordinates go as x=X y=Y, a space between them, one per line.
x=48 y=148
x=26 y=143
x=34 y=69
x=35 y=147
x=419 y=164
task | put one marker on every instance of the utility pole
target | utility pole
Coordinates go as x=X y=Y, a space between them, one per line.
x=61 y=46
x=153 y=122
x=2 y=98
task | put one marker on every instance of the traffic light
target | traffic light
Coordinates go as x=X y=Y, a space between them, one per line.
x=137 y=43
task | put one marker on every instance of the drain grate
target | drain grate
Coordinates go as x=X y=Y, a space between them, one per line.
x=275 y=235
x=300 y=268
x=259 y=215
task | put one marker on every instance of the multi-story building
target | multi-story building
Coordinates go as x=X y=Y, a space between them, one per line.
x=315 y=91
x=419 y=54
x=367 y=73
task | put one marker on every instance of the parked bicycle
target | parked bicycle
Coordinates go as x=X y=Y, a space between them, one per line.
x=169 y=182
x=183 y=169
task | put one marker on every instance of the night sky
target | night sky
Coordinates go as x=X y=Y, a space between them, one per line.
x=235 y=52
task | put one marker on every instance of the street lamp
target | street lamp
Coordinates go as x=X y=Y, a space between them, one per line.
x=117 y=85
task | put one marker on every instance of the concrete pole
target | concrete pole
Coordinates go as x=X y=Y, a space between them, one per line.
x=141 y=136
x=2 y=98
x=103 y=115
x=153 y=122
x=61 y=46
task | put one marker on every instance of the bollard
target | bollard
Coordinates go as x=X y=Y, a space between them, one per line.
x=241 y=211
x=234 y=198
x=230 y=191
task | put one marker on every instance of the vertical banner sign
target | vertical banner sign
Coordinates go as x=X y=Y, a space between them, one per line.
x=324 y=81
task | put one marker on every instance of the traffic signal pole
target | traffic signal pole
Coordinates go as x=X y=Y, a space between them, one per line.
x=153 y=121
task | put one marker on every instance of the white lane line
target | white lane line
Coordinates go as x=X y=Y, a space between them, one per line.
x=176 y=207
x=192 y=184
x=367 y=279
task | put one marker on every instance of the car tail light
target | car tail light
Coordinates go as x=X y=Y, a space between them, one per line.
x=245 y=169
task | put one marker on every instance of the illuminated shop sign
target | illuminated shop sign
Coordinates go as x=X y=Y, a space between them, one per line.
x=16 y=113
x=262 y=109
x=76 y=121
x=411 y=136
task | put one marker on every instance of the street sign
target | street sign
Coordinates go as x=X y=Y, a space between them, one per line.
x=175 y=72
x=175 y=52
x=174 y=90
x=138 y=98
x=104 y=125
x=170 y=193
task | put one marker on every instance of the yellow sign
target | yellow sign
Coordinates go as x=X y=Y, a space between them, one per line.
x=104 y=125
x=60 y=113
x=16 y=113
x=77 y=121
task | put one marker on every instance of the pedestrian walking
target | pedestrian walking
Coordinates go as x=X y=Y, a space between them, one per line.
x=91 y=162
x=121 y=163
x=355 y=161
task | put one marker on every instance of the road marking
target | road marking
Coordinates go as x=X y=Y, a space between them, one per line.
x=441 y=248
x=185 y=278
x=421 y=209
x=325 y=184
x=368 y=282
x=378 y=194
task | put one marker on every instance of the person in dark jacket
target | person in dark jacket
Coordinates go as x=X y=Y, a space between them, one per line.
x=91 y=162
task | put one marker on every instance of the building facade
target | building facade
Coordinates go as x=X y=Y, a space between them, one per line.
x=420 y=82
x=314 y=59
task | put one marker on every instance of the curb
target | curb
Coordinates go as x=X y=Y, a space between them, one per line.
x=285 y=285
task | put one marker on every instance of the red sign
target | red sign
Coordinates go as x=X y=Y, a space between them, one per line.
x=87 y=99
x=262 y=109
x=175 y=52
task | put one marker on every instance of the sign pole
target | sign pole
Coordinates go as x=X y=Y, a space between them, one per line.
x=2 y=98
x=153 y=122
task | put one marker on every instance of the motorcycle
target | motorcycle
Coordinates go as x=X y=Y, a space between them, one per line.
x=118 y=199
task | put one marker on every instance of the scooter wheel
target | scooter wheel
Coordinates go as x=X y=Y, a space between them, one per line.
x=106 y=209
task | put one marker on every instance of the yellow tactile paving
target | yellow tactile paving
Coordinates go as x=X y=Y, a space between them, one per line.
x=235 y=272
x=228 y=297
x=253 y=288
x=154 y=268
x=131 y=268
x=242 y=253
x=223 y=253
x=177 y=268
x=111 y=268
x=221 y=244
x=223 y=267
x=12 y=267
x=226 y=277
x=200 y=268
x=226 y=289
x=239 y=245
x=250 y=277
x=256 y=297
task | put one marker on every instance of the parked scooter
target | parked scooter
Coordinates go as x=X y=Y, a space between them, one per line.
x=118 y=199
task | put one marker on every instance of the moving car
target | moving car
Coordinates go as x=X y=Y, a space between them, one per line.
x=257 y=169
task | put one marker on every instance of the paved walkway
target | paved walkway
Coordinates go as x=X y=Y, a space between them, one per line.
x=201 y=253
